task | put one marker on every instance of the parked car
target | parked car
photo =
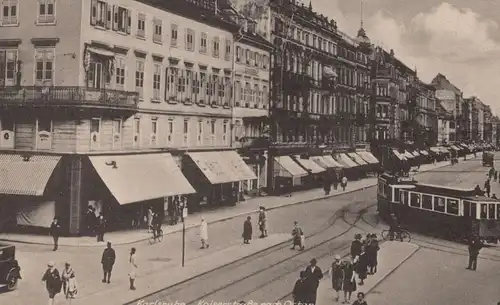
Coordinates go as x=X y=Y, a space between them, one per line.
x=10 y=271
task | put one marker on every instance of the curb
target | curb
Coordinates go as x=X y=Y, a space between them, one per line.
x=221 y=219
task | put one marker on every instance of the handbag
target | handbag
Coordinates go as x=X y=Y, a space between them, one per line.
x=72 y=286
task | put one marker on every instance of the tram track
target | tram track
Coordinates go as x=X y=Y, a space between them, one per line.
x=272 y=259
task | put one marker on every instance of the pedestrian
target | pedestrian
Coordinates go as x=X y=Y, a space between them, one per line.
x=247 y=230
x=327 y=185
x=204 y=234
x=335 y=181
x=52 y=280
x=356 y=246
x=107 y=262
x=156 y=225
x=362 y=266
x=101 y=227
x=360 y=300
x=298 y=237
x=55 y=232
x=478 y=191
x=171 y=212
x=313 y=276
x=337 y=274
x=262 y=222
x=349 y=280
x=494 y=196
x=133 y=268
x=300 y=290
x=487 y=187
x=90 y=221
x=474 y=246
x=372 y=253
x=150 y=219
x=344 y=183
x=69 y=281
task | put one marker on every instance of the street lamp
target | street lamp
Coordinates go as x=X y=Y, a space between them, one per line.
x=183 y=207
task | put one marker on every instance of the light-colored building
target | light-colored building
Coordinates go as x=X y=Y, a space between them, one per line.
x=119 y=97
x=445 y=134
x=451 y=99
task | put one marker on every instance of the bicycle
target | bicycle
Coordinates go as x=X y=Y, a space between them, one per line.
x=402 y=235
x=156 y=237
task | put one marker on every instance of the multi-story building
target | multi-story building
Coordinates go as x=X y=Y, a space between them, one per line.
x=451 y=98
x=425 y=115
x=107 y=102
x=477 y=119
x=445 y=120
x=495 y=121
x=487 y=126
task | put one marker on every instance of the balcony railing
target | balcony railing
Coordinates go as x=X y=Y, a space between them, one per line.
x=68 y=96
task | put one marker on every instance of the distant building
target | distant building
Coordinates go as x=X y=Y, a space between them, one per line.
x=444 y=133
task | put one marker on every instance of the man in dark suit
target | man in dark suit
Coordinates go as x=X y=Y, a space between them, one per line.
x=313 y=276
x=474 y=246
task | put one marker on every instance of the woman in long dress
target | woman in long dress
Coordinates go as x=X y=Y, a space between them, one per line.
x=204 y=234
x=133 y=268
x=263 y=222
x=337 y=273
x=69 y=281
x=349 y=281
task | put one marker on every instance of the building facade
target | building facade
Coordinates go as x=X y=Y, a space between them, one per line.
x=477 y=119
x=445 y=134
x=426 y=118
x=451 y=98
x=487 y=128
x=129 y=106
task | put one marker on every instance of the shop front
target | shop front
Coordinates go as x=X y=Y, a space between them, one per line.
x=123 y=187
x=315 y=171
x=217 y=177
x=374 y=164
x=351 y=168
x=288 y=174
x=32 y=189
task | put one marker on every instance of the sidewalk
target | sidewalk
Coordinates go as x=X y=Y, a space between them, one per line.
x=151 y=283
x=392 y=254
x=243 y=208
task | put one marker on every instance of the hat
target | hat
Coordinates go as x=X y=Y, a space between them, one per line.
x=67 y=264
x=337 y=257
x=357 y=236
x=50 y=264
x=314 y=261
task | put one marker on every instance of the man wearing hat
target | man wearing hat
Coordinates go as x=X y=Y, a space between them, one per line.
x=107 y=261
x=356 y=246
x=52 y=280
x=300 y=290
x=337 y=274
x=262 y=222
x=313 y=276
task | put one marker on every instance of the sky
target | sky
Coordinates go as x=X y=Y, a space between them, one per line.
x=457 y=38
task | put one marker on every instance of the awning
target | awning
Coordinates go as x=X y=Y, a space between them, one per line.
x=415 y=153
x=134 y=178
x=101 y=52
x=357 y=158
x=240 y=167
x=330 y=160
x=398 y=155
x=28 y=178
x=346 y=160
x=424 y=153
x=216 y=166
x=290 y=166
x=456 y=148
x=408 y=155
x=320 y=161
x=310 y=165
x=368 y=157
x=436 y=150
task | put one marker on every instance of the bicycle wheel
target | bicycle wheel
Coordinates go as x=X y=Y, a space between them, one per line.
x=406 y=236
x=152 y=240
x=385 y=235
x=160 y=235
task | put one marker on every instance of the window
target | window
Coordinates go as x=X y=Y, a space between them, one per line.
x=189 y=40
x=257 y=94
x=203 y=43
x=186 y=132
x=120 y=72
x=265 y=61
x=95 y=132
x=224 y=133
x=248 y=93
x=101 y=14
x=154 y=131
x=8 y=67
x=265 y=94
x=170 y=131
x=157 y=82
x=172 y=79
x=452 y=206
x=403 y=197
x=484 y=211
x=10 y=12
x=212 y=127
x=439 y=204
x=117 y=133
x=137 y=132
x=199 y=138
x=415 y=200
x=237 y=93
x=227 y=55
x=427 y=202
x=491 y=211
x=139 y=77
x=181 y=85
x=141 y=26
x=122 y=21
x=397 y=194
x=44 y=131
x=157 y=35
x=44 y=69
x=46 y=11
x=215 y=47
x=247 y=56
x=173 y=35
x=238 y=54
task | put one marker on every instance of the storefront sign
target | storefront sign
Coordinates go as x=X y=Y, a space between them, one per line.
x=44 y=140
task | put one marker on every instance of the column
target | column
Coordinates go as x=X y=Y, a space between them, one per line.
x=76 y=203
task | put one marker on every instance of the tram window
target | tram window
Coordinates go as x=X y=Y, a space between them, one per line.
x=415 y=200
x=397 y=195
x=473 y=210
x=427 y=202
x=439 y=204
x=491 y=212
x=484 y=211
x=498 y=211
x=403 y=197
x=452 y=206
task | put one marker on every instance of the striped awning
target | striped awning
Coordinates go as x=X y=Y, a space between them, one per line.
x=320 y=161
x=368 y=157
x=26 y=175
x=330 y=160
x=309 y=165
x=344 y=159
x=399 y=155
x=357 y=158
x=289 y=167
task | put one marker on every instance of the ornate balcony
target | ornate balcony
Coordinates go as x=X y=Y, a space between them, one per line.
x=69 y=97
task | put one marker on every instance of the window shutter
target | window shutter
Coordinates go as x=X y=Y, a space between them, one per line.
x=186 y=31
x=115 y=18
x=93 y=12
x=109 y=16
x=167 y=76
x=129 y=21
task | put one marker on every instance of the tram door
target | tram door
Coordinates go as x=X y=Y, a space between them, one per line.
x=470 y=213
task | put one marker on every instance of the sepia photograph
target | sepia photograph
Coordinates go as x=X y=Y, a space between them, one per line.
x=249 y=152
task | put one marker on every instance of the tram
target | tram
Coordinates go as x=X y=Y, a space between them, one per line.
x=452 y=213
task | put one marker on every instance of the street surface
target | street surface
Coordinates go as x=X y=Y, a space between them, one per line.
x=268 y=276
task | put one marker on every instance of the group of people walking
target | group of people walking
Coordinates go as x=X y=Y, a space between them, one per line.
x=248 y=228
x=334 y=180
